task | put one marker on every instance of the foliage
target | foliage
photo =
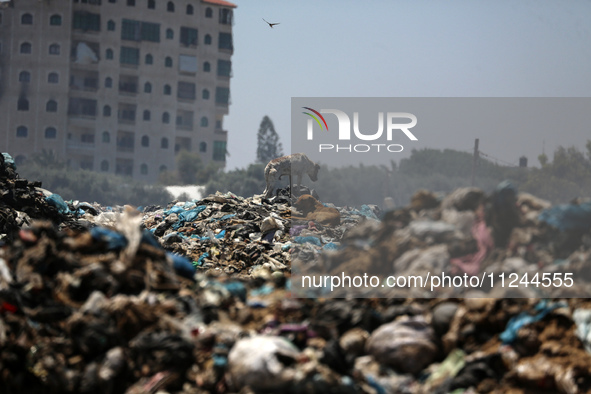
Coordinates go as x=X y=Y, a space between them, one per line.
x=566 y=177
x=82 y=185
x=268 y=145
x=191 y=170
x=243 y=182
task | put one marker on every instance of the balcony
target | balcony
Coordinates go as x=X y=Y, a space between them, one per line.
x=80 y=146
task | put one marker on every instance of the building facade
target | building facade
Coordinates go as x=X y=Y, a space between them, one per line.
x=116 y=86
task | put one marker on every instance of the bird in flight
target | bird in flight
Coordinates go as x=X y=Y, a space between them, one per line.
x=271 y=24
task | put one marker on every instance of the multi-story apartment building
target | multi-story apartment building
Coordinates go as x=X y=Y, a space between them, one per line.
x=118 y=86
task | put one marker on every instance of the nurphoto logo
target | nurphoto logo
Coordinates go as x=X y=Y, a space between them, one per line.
x=391 y=124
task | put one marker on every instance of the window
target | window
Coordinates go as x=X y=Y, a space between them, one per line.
x=24 y=76
x=129 y=56
x=145 y=141
x=163 y=168
x=188 y=63
x=26 y=19
x=54 y=49
x=219 y=150
x=22 y=104
x=168 y=61
x=164 y=144
x=109 y=54
x=167 y=90
x=144 y=169
x=169 y=34
x=124 y=166
x=208 y=12
x=126 y=113
x=186 y=90
x=166 y=118
x=147 y=87
x=19 y=159
x=203 y=147
x=55 y=20
x=204 y=121
x=112 y=1
x=150 y=32
x=26 y=48
x=188 y=36
x=53 y=78
x=224 y=68
x=106 y=111
x=128 y=84
x=206 y=67
x=184 y=120
x=151 y=4
x=225 y=41
x=205 y=94
x=82 y=107
x=22 y=132
x=130 y=30
x=106 y=137
x=108 y=82
x=225 y=16
x=222 y=96
x=104 y=166
x=131 y=3
x=190 y=9
x=207 y=40
x=147 y=115
x=125 y=142
x=51 y=106
x=170 y=6
x=140 y=31
x=111 y=25
x=50 y=133
x=86 y=21
x=149 y=59
x=87 y=138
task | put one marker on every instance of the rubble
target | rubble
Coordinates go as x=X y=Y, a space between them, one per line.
x=196 y=297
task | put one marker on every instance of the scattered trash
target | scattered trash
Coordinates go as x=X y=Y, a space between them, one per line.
x=197 y=296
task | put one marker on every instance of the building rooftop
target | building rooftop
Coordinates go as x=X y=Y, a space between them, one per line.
x=220 y=2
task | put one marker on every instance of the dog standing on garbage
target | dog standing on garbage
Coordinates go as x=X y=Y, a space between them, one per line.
x=296 y=164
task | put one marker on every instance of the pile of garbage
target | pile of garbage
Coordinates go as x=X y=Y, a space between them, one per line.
x=515 y=244
x=195 y=297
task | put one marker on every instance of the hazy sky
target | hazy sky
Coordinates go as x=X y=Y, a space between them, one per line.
x=412 y=48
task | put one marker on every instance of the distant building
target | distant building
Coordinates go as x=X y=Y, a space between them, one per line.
x=116 y=86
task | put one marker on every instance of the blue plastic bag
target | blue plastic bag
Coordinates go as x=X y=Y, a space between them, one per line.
x=188 y=216
x=309 y=239
x=55 y=200
x=514 y=325
x=568 y=216
x=113 y=239
x=182 y=266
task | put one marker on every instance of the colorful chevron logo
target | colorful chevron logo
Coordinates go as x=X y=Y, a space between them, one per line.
x=315 y=118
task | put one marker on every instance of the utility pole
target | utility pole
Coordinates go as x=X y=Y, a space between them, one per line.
x=474 y=160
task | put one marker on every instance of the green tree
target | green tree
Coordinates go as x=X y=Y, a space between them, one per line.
x=243 y=182
x=187 y=166
x=48 y=159
x=268 y=145
x=190 y=169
